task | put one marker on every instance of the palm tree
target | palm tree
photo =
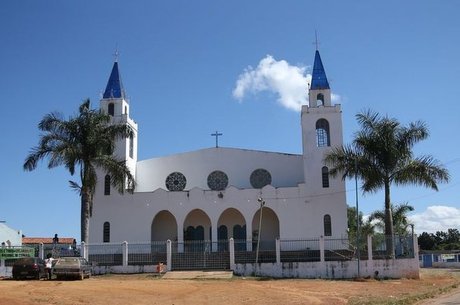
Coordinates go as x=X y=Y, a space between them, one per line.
x=83 y=143
x=400 y=220
x=381 y=155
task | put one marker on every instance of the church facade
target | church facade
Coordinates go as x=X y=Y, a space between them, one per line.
x=218 y=193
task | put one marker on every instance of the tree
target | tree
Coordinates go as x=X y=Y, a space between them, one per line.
x=84 y=144
x=381 y=156
x=441 y=240
x=400 y=220
x=426 y=241
x=365 y=226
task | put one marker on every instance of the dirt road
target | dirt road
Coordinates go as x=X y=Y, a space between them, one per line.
x=148 y=289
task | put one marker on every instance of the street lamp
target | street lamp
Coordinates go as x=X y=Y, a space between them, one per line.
x=262 y=203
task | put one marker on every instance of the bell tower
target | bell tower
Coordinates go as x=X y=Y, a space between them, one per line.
x=115 y=103
x=321 y=131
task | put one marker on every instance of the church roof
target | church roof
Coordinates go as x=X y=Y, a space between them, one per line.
x=318 y=78
x=114 y=87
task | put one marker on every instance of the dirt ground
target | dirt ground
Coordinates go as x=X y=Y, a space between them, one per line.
x=149 y=289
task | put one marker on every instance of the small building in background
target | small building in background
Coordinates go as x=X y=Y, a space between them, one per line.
x=57 y=246
x=9 y=237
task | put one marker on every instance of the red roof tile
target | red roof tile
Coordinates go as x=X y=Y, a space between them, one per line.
x=47 y=240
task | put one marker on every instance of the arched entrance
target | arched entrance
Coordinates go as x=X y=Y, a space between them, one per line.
x=197 y=226
x=164 y=227
x=197 y=231
x=231 y=224
x=270 y=229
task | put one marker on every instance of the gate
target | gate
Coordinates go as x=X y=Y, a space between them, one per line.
x=200 y=255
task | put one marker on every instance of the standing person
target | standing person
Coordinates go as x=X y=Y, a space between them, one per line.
x=49 y=264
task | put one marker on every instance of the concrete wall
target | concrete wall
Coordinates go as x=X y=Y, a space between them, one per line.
x=238 y=164
x=9 y=236
x=381 y=269
x=446 y=265
x=300 y=215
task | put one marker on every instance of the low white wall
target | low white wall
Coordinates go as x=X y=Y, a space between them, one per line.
x=446 y=265
x=398 y=268
x=98 y=270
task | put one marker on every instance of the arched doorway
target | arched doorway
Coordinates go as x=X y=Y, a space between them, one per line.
x=235 y=227
x=197 y=229
x=270 y=229
x=164 y=227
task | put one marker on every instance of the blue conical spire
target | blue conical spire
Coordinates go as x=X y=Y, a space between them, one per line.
x=114 y=87
x=318 y=78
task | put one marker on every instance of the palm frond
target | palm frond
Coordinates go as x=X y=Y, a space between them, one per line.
x=75 y=186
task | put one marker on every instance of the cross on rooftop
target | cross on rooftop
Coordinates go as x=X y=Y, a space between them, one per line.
x=316 y=43
x=116 y=54
x=217 y=134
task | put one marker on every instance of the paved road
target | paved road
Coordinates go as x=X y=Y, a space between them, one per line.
x=452 y=298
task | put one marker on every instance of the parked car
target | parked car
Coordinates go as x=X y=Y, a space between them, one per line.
x=72 y=267
x=29 y=267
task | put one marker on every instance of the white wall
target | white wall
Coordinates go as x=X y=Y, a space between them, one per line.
x=396 y=268
x=238 y=164
x=300 y=216
x=7 y=234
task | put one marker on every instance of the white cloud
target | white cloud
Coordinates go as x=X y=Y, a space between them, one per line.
x=288 y=82
x=335 y=98
x=436 y=218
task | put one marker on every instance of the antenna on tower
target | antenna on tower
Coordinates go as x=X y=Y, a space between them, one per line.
x=117 y=53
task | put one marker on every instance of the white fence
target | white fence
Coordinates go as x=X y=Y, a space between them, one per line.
x=313 y=258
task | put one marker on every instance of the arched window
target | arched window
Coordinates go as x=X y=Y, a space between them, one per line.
x=106 y=232
x=327 y=225
x=320 y=99
x=126 y=110
x=325 y=176
x=112 y=109
x=322 y=133
x=107 y=185
x=131 y=146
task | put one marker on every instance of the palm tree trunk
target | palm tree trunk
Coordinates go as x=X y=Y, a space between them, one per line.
x=390 y=247
x=85 y=213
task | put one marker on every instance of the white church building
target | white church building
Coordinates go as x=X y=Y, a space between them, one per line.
x=218 y=193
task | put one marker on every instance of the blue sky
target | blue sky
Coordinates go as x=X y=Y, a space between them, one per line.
x=181 y=61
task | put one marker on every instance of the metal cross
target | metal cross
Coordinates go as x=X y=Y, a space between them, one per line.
x=116 y=54
x=217 y=134
x=316 y=43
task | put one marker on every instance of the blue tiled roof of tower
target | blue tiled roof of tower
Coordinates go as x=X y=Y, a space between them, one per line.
x=114 y=87
x=318 y=78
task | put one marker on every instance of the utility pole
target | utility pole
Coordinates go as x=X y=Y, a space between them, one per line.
x=357 y=215
x=262 y=203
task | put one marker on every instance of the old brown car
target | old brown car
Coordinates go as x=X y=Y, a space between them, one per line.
x=72 y=267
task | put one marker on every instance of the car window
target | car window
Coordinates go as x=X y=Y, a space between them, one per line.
x=68 y=262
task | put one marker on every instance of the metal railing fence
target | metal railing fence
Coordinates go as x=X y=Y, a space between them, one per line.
x=403 y=246
x=151 y=253
x=105 y=254
x=206 y=254
x=300 y=250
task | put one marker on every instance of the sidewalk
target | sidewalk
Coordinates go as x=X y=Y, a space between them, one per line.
x=182 y=275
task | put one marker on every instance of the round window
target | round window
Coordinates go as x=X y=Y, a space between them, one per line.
x=217 y=181
x=176 y=182
x=260 y=178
